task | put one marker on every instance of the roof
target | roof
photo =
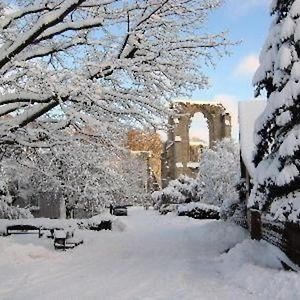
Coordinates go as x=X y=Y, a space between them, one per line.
x=249 y=111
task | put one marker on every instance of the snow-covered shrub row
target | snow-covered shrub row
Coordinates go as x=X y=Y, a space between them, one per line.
x=181 y=190
x=277 y=137
x=198 y=210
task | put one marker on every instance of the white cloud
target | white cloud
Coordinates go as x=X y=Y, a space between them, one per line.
x=247 y=66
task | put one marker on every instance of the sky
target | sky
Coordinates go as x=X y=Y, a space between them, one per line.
x=247 y=21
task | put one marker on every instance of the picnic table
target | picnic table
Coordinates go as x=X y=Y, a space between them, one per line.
x=63 y=240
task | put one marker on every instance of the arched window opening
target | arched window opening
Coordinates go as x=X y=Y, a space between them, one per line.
x=198 y=136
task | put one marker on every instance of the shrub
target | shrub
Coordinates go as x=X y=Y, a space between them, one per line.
x=199 y=211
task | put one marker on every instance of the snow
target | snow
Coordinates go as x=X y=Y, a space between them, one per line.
x=287 y=28
x=295 y=73
x=291 y=143
x=283 y=118
x=297 y=32
x=193 y=165
x=179 y=165
x=66 y=224
x=198 y=102
x=176 y=120
x=248 y=114
x=284 y=57
x=60 y=234
x=287 y=174
x=287 y=209
x=193 y=205
x=156 y=257
x=295 y=9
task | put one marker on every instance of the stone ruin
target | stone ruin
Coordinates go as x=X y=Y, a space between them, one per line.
x=176 y=157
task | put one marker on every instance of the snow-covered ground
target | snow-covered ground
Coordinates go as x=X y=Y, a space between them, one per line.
x=155 y=257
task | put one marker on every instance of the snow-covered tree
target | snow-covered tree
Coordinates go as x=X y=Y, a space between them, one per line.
x=277 y=134
x=83 y=175
x=7 y=210
x=219 y=174
x=134 y=171
x=101 y=62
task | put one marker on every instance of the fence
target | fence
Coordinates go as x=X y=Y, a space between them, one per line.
x=286 y=236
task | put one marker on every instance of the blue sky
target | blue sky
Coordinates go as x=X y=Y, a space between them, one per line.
x=231 y=79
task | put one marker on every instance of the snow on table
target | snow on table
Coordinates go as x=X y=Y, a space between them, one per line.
x=156 y=257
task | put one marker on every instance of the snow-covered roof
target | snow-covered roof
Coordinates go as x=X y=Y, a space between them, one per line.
x=248 y=113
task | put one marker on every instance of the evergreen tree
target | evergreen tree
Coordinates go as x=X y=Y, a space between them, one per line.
x=277 y=137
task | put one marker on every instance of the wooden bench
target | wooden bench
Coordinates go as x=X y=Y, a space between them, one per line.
x=23 y=229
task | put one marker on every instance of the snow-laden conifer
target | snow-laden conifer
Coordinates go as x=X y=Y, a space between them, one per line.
x=277 y=132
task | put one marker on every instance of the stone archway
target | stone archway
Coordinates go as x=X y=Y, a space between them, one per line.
x=176 y=156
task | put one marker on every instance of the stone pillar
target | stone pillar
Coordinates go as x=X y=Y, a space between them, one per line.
x=226 y=121
x=181 y=145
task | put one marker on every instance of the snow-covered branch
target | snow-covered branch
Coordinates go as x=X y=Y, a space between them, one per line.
x=107 y=60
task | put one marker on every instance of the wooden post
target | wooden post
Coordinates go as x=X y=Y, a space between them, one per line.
x=255 y=229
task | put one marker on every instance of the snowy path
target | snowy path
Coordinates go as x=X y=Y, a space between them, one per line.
x=156 y=257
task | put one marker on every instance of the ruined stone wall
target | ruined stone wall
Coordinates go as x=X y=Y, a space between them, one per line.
x=176 y=158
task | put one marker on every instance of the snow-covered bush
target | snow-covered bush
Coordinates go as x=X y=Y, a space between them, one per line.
x=181 y=190
x=7 y=211
x=167 y=208
x=216 y=183
x=11 y=212
x=277 y=130
x=198 y=210
x=219 y=175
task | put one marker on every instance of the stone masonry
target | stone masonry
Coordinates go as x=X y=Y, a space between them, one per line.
x=176 y=154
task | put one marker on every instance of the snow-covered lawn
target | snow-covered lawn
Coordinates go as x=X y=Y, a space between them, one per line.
x=155 y=257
